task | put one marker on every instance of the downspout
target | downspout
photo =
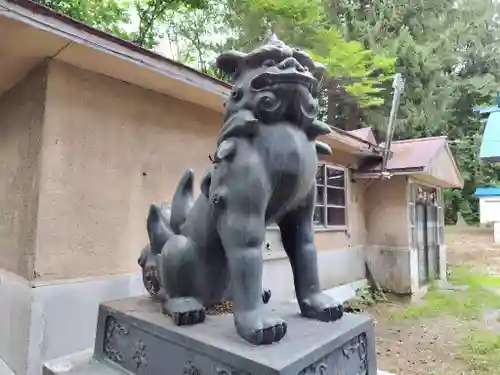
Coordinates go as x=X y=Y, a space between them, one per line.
x=398 y=86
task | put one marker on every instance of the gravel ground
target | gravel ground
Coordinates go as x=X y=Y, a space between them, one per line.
x=431 y=346
x=417 y=347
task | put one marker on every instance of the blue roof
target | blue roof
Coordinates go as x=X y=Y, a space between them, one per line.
x=490 y=146
x=487 y=192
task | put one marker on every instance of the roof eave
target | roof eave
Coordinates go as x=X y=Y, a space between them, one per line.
x=37 y=9
x=341 y=140
x=47 y=20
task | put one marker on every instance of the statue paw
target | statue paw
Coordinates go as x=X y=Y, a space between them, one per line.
x=260 y=326
x=184 y=310
x=321 y=307
x=151 y=279
x=266 y=295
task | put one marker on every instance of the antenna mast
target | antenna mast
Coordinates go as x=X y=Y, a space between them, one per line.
x=398 y=86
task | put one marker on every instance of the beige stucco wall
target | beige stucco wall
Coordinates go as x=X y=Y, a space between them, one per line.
x=101 y=136
x=386 y=212
x=21 y=118
x=110 y=149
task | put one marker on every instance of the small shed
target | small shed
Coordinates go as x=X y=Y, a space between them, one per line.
x=489 y=204
x=404 y=215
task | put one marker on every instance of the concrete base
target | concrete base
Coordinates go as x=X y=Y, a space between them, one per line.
x=134 y=336
x=415 y=297
x=392 y=269
x=496 y=232
x=35 y=319
x=335 y=267
x=396 y=269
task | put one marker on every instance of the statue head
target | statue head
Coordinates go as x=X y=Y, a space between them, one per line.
x=275 y=82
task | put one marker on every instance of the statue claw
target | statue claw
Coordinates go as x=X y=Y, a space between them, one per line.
x=260 y=326
x=184 y=310
x=321 y=307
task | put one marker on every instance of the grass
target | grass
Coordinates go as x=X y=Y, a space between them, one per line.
x=468 y=304
x=479 y=348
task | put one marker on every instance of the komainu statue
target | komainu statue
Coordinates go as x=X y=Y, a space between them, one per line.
x=263 y=171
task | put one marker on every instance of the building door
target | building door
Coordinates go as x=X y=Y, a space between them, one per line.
x=426 y=225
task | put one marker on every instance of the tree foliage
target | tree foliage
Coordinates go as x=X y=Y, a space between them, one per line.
x=195 y=36
x=448 y=53
x=116 y=16
x=355 y=74
x=106 y=15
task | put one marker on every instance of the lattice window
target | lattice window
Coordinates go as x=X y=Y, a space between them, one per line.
x=330 y=208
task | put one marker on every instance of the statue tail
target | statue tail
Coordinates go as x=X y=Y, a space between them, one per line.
x=164 y=221
x=182 y=202
x=158 y=226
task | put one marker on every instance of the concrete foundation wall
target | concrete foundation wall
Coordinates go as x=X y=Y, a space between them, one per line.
x=15 y=320
x=37 y=324
x=21 y=119
x=393 y=268
x=279 y=278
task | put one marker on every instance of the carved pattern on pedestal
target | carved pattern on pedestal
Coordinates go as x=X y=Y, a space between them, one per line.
x=221 y=370
x=357 y=347
x=191 y=369
x=317 y=368
x=139 y=356
x=113 y=330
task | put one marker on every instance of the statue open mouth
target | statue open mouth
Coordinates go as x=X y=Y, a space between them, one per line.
x=268 y=79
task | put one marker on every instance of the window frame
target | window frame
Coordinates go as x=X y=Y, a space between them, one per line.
x=324 y=200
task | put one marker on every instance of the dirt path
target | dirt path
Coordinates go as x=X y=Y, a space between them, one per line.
x=435 y=345
x=417 y=347
x=473 y=247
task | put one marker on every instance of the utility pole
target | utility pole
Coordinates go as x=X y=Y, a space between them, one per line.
x=398 y=86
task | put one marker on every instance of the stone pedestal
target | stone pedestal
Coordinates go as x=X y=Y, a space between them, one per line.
x=134 y=336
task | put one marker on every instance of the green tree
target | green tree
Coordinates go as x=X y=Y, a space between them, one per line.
x=195 y=36
x=153 y=14
x=106 y=15
x=355 y=73
x=448 y=53
x=116 y=16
